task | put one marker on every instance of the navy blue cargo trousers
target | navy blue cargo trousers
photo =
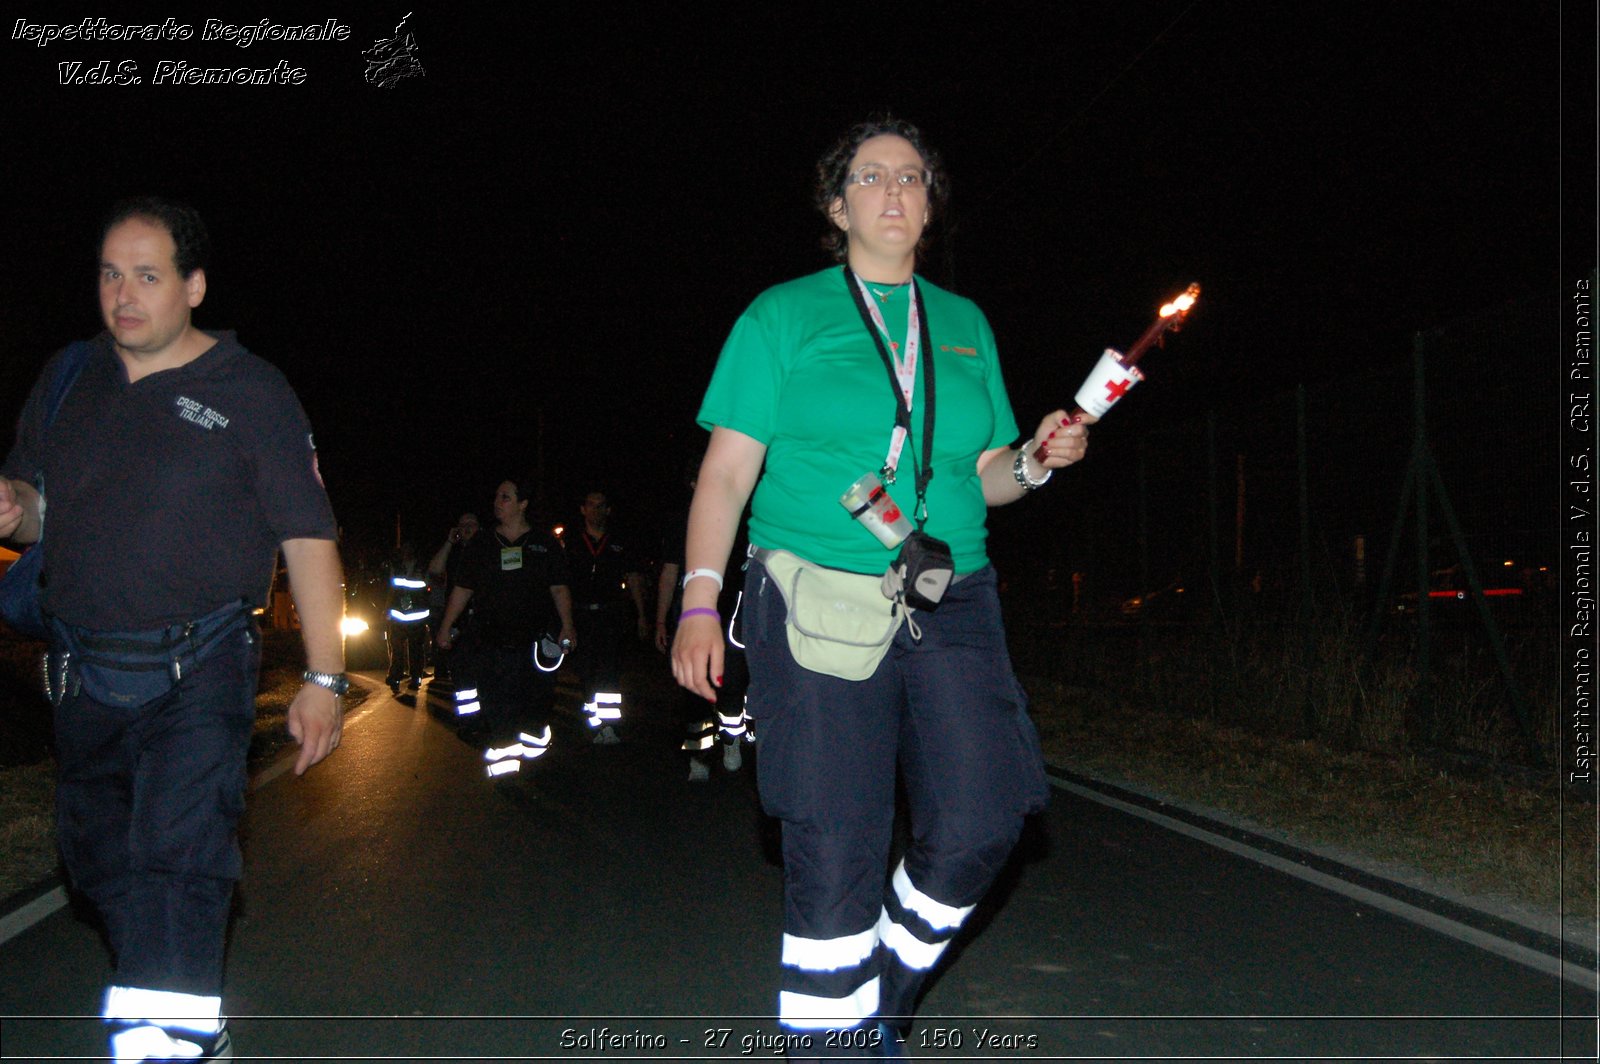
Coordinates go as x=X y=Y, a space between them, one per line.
x=147 y=803
x=946 y=709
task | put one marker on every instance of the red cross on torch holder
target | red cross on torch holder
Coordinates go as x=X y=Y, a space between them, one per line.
x=1116 y=373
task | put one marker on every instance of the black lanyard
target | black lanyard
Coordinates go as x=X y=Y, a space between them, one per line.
x=902 y=413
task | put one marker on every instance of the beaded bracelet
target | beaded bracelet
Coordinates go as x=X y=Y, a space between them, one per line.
x=1019 y=470
x=699 y=610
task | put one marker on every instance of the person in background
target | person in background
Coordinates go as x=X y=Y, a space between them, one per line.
x=442 y=570
x=707 y=726
x=516 y=581
x=606 y=583
x=406 y=617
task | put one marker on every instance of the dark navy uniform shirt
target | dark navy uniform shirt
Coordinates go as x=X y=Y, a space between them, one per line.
x=167 y=498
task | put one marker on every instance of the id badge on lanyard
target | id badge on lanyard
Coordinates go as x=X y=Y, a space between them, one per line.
x=510 y=558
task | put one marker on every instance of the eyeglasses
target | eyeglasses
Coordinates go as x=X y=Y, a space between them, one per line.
x=875 y=176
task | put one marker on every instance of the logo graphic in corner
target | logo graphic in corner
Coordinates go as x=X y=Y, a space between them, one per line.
x=199 y=414
x=391 y=59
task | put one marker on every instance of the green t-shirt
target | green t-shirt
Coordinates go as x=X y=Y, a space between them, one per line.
x=801 y=374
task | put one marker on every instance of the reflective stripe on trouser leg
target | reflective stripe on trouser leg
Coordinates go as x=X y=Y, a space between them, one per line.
x=831 y=981
x=702 y=736
x=507 y=759
x=915 y=928
x=606 y=708
x=467 y=702
x=160 y=1024
x=734 y=726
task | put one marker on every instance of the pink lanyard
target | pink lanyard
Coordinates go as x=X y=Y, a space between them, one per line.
x=905 y=367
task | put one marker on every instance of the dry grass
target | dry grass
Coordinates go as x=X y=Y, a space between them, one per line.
x=27 y=832
x=27 y=792
x=1478 y=836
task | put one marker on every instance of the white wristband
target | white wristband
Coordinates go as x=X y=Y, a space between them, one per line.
x=712 y=573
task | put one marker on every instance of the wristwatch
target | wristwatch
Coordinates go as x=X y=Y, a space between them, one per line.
x=337 y=682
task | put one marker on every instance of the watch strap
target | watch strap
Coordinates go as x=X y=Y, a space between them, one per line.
x=337 y=682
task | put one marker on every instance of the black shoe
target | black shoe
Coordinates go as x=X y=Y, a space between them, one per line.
x=394 y=686
x=416 y=683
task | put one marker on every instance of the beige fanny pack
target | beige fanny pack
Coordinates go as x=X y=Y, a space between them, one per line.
x=839 y=623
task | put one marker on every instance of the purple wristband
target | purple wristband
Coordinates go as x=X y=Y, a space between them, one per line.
x=699 y=610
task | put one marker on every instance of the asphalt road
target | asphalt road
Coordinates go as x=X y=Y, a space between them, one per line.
x=397 y=905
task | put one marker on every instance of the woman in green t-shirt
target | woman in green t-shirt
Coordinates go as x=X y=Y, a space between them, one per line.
x=799 y=407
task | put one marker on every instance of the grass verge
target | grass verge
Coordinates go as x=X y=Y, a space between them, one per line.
x=1523 y=847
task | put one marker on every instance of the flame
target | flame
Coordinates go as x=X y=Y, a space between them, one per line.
x=1182 y=304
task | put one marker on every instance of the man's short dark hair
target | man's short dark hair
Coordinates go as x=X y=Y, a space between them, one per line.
x=182 y=222
x=524 y=486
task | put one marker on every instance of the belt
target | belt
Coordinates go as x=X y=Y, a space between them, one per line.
x=156 y=644
x=761 y=554
x=167 y=648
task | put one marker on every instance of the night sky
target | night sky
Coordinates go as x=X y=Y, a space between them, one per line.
x=545 y=238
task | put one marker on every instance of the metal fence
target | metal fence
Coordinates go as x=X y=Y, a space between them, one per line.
x=1263 y=564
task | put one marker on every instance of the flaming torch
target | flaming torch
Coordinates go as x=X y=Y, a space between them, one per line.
x=1116 y=373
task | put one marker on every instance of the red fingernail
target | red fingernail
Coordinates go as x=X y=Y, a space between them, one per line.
x=719 y=681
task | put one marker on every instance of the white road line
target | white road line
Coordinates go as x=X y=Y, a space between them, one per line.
x=1524 y=955
x=15 y=923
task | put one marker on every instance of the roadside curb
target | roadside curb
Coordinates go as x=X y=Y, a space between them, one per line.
x=1575 y=956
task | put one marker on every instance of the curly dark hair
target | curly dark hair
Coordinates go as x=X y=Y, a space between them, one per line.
x=192 y=243
x=833 y=170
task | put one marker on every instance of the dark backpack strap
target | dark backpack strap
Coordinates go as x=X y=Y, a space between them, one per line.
x=72 y=363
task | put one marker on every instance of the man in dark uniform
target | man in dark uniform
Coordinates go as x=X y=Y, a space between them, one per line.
x=443 y=568
x=605 y=579
x=177 y=467
x=407 y=618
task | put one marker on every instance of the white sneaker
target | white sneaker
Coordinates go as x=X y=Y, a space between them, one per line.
x=146 y=1041
x=733 y=756
x=698 y=772
x=606 y=736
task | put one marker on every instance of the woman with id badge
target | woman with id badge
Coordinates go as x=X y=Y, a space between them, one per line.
x=865 y=409
x=516 y=580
